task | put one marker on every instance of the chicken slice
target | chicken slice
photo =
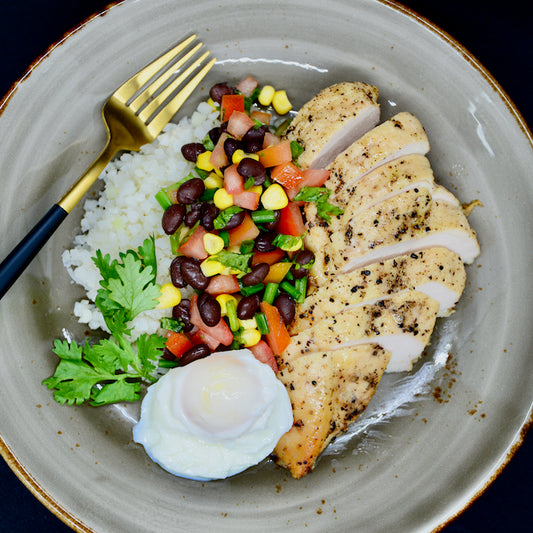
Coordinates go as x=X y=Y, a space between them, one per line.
x=328 y=390
x=437 y=272
x=401 y=324
x=328 y=123
x=397 y=137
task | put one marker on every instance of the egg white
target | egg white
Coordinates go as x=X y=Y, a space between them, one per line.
x=215 y=417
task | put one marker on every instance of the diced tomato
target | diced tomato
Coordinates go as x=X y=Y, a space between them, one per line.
x=270 y=139
x=247 y=86
x=229 y=104
x=278 y=339
x=261 y=116
x=220 y=332
x=233 y=181
x=218 y=157
x=194 y=245
x=223 y=284
x=239 y=123
x=268 y=257
x=201 y=337
x=247 y=231
x=311 y=177
x=291 y=221
x=263 y=353
x=287 y=174
x=178 y=343
x=277 y=154
x=247 y=200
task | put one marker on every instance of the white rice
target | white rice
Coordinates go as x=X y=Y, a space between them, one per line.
x=127 y=212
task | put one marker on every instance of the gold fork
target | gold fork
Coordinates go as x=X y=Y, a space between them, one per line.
x=134 y=115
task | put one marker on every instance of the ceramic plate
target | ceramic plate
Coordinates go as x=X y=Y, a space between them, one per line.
x=415 y=460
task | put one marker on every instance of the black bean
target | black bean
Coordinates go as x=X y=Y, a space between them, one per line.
x=168 y=355
x=193 y=354
x=252 y=140
x=250 y=168
x=231 y=145
x=236 y=220
x=208 y=214
x=182 y=311
x=209 y=309
x=191 y=151
x=256 y=275
x=214 y=134
x=263 y=242
x=193 y=215
x=272 y=225
x=190 y=191
x=219 y=90
x=247 y=306
x=172 y=218
x=286 y=307
x=175 y=272
x=193 y=275
x=303 y=258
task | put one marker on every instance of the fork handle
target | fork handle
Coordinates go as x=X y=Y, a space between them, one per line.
x=21 y=256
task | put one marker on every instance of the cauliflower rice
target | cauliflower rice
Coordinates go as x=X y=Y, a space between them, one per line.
x=127 y=212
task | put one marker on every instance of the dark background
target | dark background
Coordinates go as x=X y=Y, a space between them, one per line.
x=498 y=34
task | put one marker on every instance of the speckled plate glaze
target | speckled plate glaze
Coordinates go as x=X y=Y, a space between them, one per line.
x=414 y=463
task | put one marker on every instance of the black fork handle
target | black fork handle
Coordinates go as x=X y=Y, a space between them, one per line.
x=22 y=255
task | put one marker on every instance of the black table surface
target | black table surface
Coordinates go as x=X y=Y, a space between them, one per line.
x=499 y=35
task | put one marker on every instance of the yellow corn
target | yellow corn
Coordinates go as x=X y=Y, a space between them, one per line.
x=250 y=337
x=223 y=299
x=222 y=199
x=213 y=243
x=212 y=103
x=274 y=197
x=170 y=296
x=277 y=272
x=211 y=268
x=257 y=189
x=281 y=103
x=213 y=181
x=298 y=244
x=202 y=161
x=238 y=156
x=266 y=95
x=249 y=323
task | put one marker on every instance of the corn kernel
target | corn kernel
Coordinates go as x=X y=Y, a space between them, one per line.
x=213 y=181
x=211 y=267
x=238 y=156
x=277 y=272
x=274 y=197
x=213 y=243
x=223 y=299
x=266 y=95
x=222 y=199
x=212 y=103
x=250 y=337
x=249 y=323
x=257 y=189
x=170 y=296
x=281 y=103
x=298 y=243
x=203 y=162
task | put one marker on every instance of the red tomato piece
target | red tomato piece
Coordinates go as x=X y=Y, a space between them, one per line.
x=287 y=174
x=291 y=221
x=247 y=231
x=247 y=200
x=223 y=284
x=311 y=177
x=268 y=257
x=220 y=332
x=263 y=117
x=178 y=343
x=270 y=139
x=231 y=103
x=263 y=353
x=218 y=157
x=233 y=181
x=194 y=245
x=277 y=154
x=278 y=339
x=247 y=86
x=239 y=123
x=201 y=337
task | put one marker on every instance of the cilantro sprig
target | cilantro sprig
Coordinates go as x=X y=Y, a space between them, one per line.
x=112 y=370
x=320 y=196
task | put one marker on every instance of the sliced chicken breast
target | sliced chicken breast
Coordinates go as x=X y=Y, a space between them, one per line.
x=401 y=324
x=328 y=390
x=437 y=272
x=331 y=121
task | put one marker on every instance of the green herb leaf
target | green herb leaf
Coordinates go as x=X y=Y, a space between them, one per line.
x=238 y=262
x=225 y=216
x=208 y=143
x=320 y=196
x=296 y=150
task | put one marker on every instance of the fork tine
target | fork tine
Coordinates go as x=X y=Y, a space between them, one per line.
x=165 y=114
x=128 y=89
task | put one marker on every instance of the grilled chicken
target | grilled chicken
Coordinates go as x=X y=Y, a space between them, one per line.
x=437 y=272
x=399 y=136
x=332 y=121
x=328 y=390
x=401 y=324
